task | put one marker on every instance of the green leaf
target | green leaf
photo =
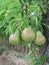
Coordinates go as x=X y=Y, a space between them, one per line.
x=43 y=58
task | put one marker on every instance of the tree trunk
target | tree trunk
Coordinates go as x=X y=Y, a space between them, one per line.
x=44 y=50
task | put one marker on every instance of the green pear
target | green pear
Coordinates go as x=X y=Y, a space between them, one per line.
x=14 y=38
x=28 y=35
x=40 y=39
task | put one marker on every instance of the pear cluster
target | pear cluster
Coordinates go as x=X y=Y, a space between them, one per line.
x=27 y=35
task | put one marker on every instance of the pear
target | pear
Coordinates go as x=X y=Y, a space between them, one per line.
x=40 y=39
x=14 y=38
x=28 y=35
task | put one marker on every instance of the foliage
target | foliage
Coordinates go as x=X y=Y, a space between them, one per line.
x=10 y=14
x=1 y=49
x=32 y=59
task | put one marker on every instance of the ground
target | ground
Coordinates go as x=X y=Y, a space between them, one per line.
x=12 y=58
